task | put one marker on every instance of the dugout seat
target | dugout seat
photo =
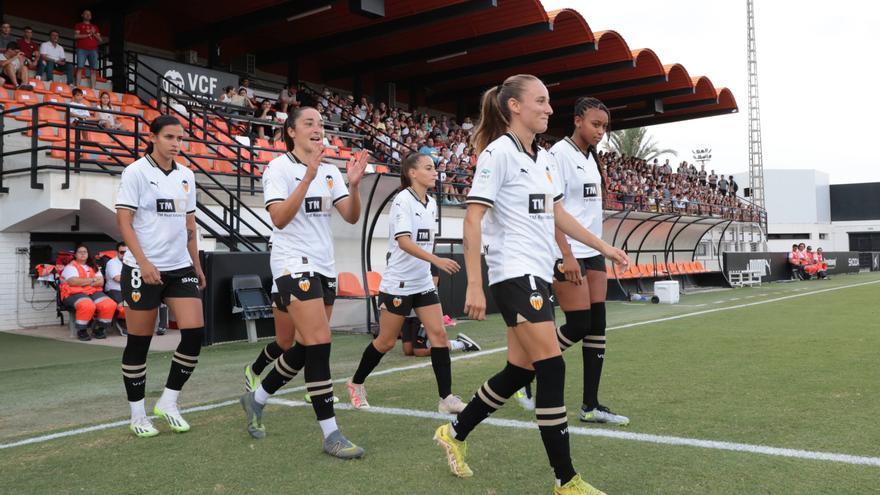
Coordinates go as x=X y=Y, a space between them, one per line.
x=250 y=300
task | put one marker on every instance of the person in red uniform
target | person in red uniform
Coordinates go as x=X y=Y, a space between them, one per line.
x=81 y=284
x=87 y=39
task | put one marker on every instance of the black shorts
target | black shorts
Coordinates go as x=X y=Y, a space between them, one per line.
x=435 y=272
x=116 y=295
x=521 y=299
x=595 y=263
x=303 y=287
x=138 y=294
x=403 y=305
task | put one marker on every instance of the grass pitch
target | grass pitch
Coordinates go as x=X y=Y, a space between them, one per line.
x=799 y=372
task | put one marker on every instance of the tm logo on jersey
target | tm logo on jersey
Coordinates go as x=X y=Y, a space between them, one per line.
x=165 y=206
x=423 y=235
x=314 y=204
x=537 y=203
x=591 y=190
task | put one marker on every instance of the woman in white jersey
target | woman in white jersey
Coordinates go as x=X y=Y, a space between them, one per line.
x=300 y=193
x=155 y=211
x=513 y=207
x=407 y=284
x=580 y=281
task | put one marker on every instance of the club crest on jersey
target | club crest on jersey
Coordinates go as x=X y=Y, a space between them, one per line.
x=329 y=180
x=559 y=267
x=536 y=301
x=396 y=302
x=304 y=284
x=185 y=185
x=136 y=296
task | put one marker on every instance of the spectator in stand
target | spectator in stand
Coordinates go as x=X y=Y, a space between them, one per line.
x=105 y=119
x=723 y=185
x=265 y=112
x=467 y=125
x=13 y=68
x=52 y=57
x=702 y=175
x=87 y=39
x=249 y=91
x=287 y=98
x=242 y=100
x=30 y=50
x=732 y=186
x=113 y=272
x=79 y=107
x=713 y=180
x=6 y=34
x=228 y=95
x=429 y=149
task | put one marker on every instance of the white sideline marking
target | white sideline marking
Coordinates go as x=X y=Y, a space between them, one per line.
x=625 y=435
x=208 y=407
x=739 y=306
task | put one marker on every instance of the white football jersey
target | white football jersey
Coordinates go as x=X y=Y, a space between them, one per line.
x=582 y=184
x=306 y=243
x=113 y=268
x=160 y=201
x=521 y=191
x=405 y=274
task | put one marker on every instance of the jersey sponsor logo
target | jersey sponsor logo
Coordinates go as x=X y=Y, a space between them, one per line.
x=423 y=235
x=580 y=168
x=304 y=284
x=591 y=190
x=165 y=205
x=537 y=301
x=418 y=214
x=154 y=184
x=537 y=203
x=331 y=284
x=396 y=302
x=523 y=171
x=189 y=280
x=314 y=204
x=185 y=185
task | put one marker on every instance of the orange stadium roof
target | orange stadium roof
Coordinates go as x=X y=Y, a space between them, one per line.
x=438 y=53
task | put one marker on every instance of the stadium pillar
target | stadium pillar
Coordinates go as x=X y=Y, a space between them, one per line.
x=357 y=87
x=293 y=71
x=213 y=52
x=117 y=49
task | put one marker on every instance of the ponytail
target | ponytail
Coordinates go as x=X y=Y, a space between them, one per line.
x=409 y=163
x=494 y=113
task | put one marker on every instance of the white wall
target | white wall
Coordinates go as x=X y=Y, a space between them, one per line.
x=22 y=304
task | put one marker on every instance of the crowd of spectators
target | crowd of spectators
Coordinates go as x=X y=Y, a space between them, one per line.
x=806 y=264
x=22 y=55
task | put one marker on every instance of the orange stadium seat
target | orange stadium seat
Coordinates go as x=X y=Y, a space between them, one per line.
x=374 y=280
x=5 y=98
x=609 y=270
x=672 y=269
x=131 y=100
x=699 y=266
x=347 y=285
x=61 y=89
x=646 y=270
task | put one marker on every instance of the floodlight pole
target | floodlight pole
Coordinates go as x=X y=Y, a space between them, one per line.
x=756 y=161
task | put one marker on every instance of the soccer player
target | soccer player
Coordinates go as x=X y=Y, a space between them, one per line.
x=300 y=193
x=407 y=284
x=155 y=211
x=580 y=281
x=519 y=202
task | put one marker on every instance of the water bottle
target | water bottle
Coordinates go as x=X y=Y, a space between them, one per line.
x=637 y=297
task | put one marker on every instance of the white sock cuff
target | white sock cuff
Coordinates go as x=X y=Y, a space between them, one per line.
x=456 y=345
x=328 y=426
x=260 y=395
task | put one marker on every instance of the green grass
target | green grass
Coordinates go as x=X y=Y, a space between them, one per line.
x=798 y=373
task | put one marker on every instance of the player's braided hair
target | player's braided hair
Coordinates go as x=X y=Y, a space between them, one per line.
x=581 y=106
x=494 y=113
